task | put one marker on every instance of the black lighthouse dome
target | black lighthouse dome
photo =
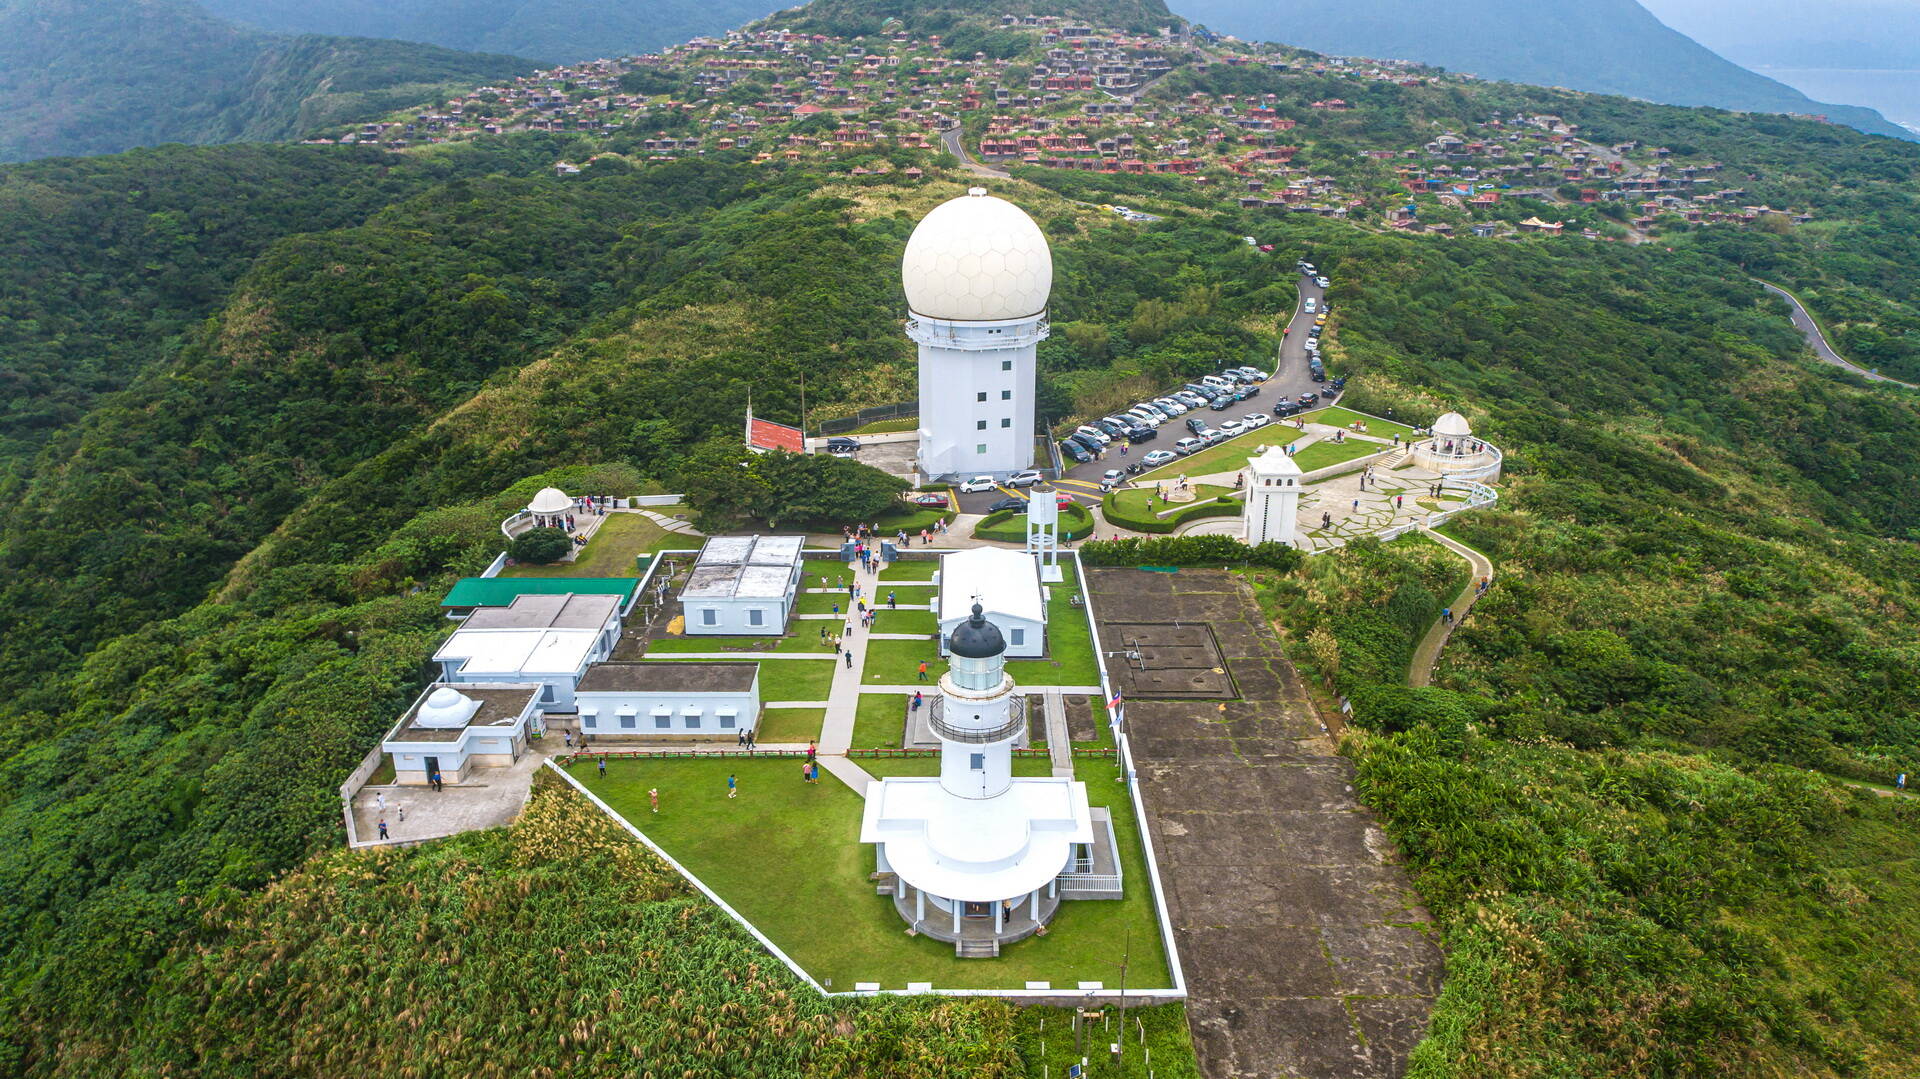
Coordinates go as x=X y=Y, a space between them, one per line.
x=976 y=638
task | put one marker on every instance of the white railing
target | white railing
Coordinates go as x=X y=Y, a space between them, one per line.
x=1479 y=496
x=1476 y=472
x=1088 y=882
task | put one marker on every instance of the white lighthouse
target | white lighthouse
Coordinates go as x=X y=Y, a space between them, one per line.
x=977 y=273
x=1273 y=498
x=977 y=856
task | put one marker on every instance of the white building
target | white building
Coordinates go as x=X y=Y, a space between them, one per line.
x=1007 y=585
x=975 y=856
x=1273 y=498
x=742 y=585
x=454 y=730
x=678 y=700
x=1454 y=451
x=977 y=272
x=549 y=640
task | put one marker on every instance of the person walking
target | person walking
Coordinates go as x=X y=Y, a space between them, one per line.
x=813 y=772
x=806 y=772
x=923 y=670
x=890 y=601
x=849 y=657
x=811 y=749
x=740 y=739
x=653 y=796
x=437 y=785
x=603 y=767
x=569 y=737
x=1447 y=616
x=383 y=828
x=1900 y=783
x=380 y=801
x=1399 y=501
x=917 y=700
x=733 y=786
x=753 y=737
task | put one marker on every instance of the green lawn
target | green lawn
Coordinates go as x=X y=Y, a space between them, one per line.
x=1133 y=500
x=897 y=663
x=922 y=570
x=877 y=724
x=820 y=602
x=1341 y=417
x=786 y=855
x=796 y=679
x=620 y=539
x=1328 y=452
x=922 y=594
x=1070 y=660
x=882 y=427
x=912 y=519
x=790 y=724
x=1228 y=456
x=804 y=638
x=908 y=621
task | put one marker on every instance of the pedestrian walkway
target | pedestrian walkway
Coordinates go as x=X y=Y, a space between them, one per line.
x=1059 y=745
x=1426 y=655
x=671 y=524
x=843 y=708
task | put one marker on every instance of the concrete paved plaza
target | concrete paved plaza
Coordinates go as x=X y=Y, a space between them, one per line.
x=1306 y=951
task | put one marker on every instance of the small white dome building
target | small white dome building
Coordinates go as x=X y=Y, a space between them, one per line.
x=977 y=259
x=977 y=273
x=1452 y=451
x=550 y=500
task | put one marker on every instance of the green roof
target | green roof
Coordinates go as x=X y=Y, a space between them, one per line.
x=500 y=591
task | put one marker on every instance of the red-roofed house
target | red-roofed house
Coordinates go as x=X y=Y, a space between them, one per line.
x=764 y=435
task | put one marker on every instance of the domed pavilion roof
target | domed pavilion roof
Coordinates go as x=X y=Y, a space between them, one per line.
x=977 y=258
x=550 y=500
x=1451 y=425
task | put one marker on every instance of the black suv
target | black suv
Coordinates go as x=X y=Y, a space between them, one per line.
x=1196 y=424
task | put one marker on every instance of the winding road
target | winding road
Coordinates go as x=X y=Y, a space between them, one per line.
x=954 y=139
x=1817 y=340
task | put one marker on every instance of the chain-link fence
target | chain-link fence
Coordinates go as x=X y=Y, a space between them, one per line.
x=869 y=415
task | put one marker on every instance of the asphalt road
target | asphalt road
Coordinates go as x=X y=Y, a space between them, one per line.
x=953 y=139
x=1290 y=379
x=1817 y=341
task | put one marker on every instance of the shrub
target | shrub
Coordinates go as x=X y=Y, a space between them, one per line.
x=539 y=546
x=1010 y=526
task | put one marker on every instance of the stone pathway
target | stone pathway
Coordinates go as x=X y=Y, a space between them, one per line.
x=1059 y=744
x=1426 y=655
x=1308 y=954
x=671 y=524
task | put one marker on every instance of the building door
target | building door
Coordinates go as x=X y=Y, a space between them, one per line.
x=433 y=765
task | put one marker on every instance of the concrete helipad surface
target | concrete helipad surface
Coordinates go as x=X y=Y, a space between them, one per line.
x=1307 y=953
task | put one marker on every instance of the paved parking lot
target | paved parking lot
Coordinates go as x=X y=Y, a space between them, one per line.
x=1289 y=380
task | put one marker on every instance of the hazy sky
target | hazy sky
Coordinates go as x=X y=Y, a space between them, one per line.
x=1767 y=28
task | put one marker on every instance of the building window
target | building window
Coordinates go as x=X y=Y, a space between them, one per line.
x=979 y=425
x=981 y=448
x=591 y=723
x=981 y=396
x=1006 y=421
x=1006 y=365
x=1019 y=637
x=726 y=723
x=693 y=723
x=977 y=762
x=661 y=723
x=627 y=723
x=1006 y=395
x=756 y=617
x=709 y=617
x=547 y=695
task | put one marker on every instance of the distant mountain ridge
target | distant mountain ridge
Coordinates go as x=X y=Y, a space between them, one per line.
x=1605 y=46
x=99 y=76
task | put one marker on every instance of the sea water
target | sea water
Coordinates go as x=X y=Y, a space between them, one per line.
x=1895 y=92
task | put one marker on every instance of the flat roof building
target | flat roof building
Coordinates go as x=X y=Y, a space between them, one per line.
x=454 y=729
x=470 y=593
x=546 y=639
x=678 y=700
x=742 y=585
x=1007 y=585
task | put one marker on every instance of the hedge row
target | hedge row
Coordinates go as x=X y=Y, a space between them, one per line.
x=1187 y=551
x=1010 y=526
x=1222 y=506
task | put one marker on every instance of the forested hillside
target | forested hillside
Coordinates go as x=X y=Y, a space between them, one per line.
x=264 y=403
x=96 y=76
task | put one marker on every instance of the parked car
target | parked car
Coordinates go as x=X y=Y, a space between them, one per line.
x=1308 y=400
x=1233 y=427
x=1080 y=454
x=1008 y=504
x=1158 y=458
x=1322 y=282
x=1307 y=268
x=1024 y=479
x=1109 y=426
x=1251 y=391
x=1190 y=445
x=842 y=444
x=1256 y=419
x=1218 y=382
x=1144 y=417
x=1283 y=409
x=1223 y=402
x=930 y=499
x=1196 y=424
x=1174 y=409
x=1212 y=437
x=1095 y=433
x=1113 y=477
x=1141 y=434
x=1312 y=305
x=978 y=483
x=1191 y=399
x=1253 y=373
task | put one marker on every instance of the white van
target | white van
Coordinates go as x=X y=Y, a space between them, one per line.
x=1312 y=305
x=1219 y=382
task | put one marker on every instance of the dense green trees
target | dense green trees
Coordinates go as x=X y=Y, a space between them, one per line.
x=728 y=486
